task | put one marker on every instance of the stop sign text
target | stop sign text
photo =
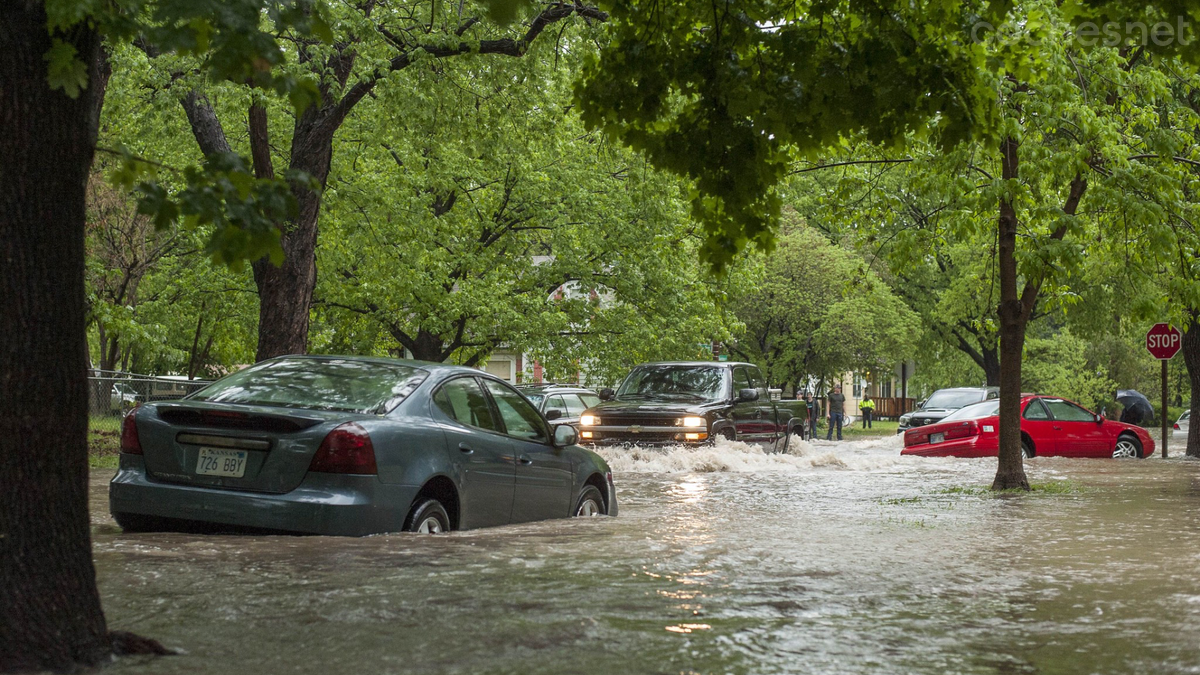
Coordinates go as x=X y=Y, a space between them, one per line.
x=1163 y=341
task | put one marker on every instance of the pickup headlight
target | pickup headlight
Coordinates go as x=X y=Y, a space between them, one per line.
x=692 y=421
x=905 y=418
x=588 y=420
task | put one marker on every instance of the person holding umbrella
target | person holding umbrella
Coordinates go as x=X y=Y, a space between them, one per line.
x=1136 y=406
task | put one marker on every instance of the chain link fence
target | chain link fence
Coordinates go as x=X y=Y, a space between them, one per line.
x=113 y=393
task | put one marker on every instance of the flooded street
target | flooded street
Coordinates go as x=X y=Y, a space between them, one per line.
x=840 y=558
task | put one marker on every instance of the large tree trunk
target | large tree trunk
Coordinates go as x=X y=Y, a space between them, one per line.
x=1191 y=358
x=285 y=292
x=50 y=615
x=991 y=366
x=1011 y=470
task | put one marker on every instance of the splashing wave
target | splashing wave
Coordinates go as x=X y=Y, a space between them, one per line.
x=736 y=456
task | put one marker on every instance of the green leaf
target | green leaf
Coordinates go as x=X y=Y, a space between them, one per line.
x=64 y=69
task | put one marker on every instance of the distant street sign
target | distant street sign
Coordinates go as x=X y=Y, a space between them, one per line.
x=1163 y=341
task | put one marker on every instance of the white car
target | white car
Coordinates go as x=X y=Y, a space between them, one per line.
x=123 y=396
x=1181 y=426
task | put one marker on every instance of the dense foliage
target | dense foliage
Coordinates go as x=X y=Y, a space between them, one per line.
x=815 y=311
x=467 y=209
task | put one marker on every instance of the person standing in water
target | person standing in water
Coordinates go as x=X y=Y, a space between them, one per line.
x=813 y=414
x=835 y=412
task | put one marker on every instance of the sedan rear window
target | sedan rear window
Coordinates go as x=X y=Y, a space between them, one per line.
x=320 y=384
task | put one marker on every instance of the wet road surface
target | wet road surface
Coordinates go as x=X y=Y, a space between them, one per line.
x=839 y=558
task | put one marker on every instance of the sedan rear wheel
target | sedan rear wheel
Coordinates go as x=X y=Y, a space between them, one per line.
x=1026 y=451
x=591 y=503
x=1127 y=446
x=429 y=517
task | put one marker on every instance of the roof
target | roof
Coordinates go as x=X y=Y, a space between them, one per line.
x=547 y=386
x=718 y=364
x=432 y=366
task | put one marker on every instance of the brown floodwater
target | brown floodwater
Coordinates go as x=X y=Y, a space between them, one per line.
x=839 y=558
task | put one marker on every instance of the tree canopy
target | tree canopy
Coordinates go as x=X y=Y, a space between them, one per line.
x=814 y=310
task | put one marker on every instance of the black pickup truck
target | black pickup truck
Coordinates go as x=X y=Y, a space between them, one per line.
x=692 y=402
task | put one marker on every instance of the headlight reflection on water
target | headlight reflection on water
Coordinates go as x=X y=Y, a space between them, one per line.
x=690 y=491
x=688 y=627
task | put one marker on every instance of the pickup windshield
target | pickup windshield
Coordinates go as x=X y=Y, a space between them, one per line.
x=673 y=383
x=949 y=398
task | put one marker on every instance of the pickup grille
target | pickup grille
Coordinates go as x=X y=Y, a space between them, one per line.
x=639 y=420
x=614 y=438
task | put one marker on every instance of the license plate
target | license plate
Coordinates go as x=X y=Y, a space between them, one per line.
x=936 y=438
x=220 y=462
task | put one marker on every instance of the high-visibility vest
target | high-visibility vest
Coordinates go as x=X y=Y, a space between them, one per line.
x=867 y=405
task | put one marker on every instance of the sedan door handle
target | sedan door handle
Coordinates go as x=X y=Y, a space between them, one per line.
x=1058 y=428
x=524 y=460
x=465 y=449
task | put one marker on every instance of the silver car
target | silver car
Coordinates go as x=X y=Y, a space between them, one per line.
x=560 y=403
x=1181 y=425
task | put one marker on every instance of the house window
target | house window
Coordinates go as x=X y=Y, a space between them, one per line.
x=502 y=368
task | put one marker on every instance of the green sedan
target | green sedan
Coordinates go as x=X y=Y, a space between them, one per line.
x=351 y=446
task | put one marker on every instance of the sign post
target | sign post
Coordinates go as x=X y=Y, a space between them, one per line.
x=1163 y=342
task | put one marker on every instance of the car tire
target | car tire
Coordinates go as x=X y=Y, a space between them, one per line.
x=728 y=434
x=591 y=503
x=1026 y=449
x=1127 y=447
x=428 y=517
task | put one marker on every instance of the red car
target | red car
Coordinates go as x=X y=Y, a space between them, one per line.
x=1050 y=426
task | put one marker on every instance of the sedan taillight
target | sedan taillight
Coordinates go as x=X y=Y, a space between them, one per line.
x=130 y=443
x=347 y=449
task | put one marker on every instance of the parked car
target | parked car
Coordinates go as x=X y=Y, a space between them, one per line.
x=1181 y=425
x=942 y=403
x=560 y=403
x=1050 y=426
x=352 y=446
x=123 y=396
x=693 y=402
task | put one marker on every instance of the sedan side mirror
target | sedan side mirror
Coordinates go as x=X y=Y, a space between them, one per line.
x=606 y=394
x=564 y=435
x=553 y=414
x=1098 y=417
x=748 y=394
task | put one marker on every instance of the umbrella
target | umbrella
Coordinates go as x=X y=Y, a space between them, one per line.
x=1137 y=406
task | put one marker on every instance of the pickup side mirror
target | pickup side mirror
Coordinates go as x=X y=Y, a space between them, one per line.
x=564 y=435
x=921 y=403
x=607 y=394
x=748 y=394
x=553 y=414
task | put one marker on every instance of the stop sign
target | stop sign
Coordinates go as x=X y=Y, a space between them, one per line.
x=1162 y=341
